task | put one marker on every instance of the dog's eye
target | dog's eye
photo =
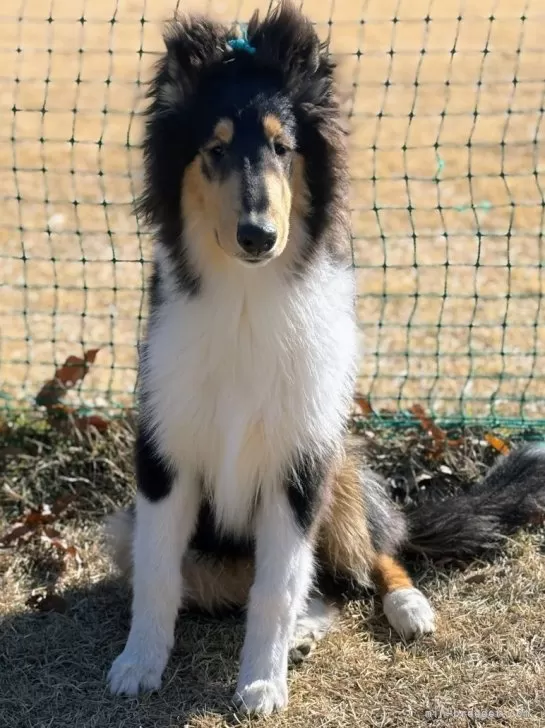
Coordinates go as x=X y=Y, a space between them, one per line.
x=217 y=151
x=280 y=149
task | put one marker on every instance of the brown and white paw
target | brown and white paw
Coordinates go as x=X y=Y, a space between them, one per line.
x=409 y=612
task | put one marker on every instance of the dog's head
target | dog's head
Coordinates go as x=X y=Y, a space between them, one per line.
x=243 y=138
x=238 y=188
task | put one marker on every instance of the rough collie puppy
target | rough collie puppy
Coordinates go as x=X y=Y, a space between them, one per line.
x=245 y=475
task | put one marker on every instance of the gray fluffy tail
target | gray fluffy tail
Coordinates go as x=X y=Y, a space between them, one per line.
x=511 y=496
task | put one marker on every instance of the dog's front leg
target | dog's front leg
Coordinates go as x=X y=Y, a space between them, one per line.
x=284 y=571
x=162 y=532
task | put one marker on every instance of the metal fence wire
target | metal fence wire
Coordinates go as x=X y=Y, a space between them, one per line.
x=445 y=100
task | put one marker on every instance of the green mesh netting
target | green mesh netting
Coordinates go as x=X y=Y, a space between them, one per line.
x=445 y=101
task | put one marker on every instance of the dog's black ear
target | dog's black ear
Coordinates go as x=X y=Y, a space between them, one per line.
x=287 y=40
x=192 y=43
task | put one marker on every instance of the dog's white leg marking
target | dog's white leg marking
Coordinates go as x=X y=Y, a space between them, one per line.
x=409 y=612
x=162 y=533
x=284 y=571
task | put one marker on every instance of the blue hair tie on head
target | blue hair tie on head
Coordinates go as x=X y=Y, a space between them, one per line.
x=241 y=44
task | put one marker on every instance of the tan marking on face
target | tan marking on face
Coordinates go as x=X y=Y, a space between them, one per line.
x=224 y=131
x=279 y=197
x=210 y=209
x=273 y=127
x=300 y=207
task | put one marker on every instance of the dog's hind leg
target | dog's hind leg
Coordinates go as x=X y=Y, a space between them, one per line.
x=360 y=533
x=405 y=607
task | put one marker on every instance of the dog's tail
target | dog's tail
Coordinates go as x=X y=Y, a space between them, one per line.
x=511 y=496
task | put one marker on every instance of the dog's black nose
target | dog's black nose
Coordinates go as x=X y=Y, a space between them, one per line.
x=256 y=238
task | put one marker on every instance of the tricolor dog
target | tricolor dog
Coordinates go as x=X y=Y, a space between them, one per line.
x=249 y=490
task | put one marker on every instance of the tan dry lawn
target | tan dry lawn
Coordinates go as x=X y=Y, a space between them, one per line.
x=487 y=655
x=456 y=340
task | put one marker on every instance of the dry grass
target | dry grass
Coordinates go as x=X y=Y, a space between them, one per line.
x=58 y=257
x=488 y=653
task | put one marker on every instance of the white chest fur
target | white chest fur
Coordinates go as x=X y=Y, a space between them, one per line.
x=247 y=373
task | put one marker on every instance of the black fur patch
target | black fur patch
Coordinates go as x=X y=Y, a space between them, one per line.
x=154 y=289
x=207 y=539
x=304 y=485
x=254 y=195
x=153 y=476
x=340 y=587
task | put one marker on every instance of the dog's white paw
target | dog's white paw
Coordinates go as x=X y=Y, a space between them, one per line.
x=409 y=612
x=262 y=697
x=133 y=672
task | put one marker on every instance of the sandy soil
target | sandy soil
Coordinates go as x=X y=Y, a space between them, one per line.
x=447 y=192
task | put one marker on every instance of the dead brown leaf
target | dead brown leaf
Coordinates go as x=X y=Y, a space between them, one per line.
x=55 y=539
x=51 y=533
x=62 y=503
x=364 y=404
x=438 y=435
x=36 y=524
x=37 y=520
x=17 y=532
x=97 y=421
x=70 y=373
x=60 y=415
x=497 y=443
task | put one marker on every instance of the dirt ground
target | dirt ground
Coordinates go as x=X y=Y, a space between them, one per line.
x=445 y=100
x=486 y=658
